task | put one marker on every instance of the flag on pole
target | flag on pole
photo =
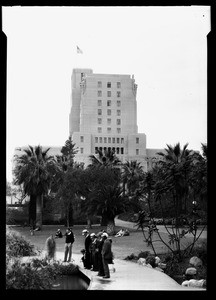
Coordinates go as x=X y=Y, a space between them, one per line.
x=79 y=50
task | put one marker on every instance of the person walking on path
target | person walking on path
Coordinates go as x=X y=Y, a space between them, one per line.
x=69 y=240
x=50 y=247
x=106 y=254
x=88 y=241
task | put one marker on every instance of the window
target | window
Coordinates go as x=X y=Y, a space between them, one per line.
x=99 y=112
x=100 y=139
x=109 y=112
x=118 y=94
x=109 y=140
x=108 y=93
x=118 y=103
x=99 y=102
x=81 y=138
x=105 y=140
x=122 y=150
x=109 y=84
x=99 y=93
x=118 y=130
x=118 y=112
x=96 y=139
x=99 y=129
x=137 y=140
x=99 y=84
x=108 y=129
x=117 y=150
x=118 y=121
x=117 y=140
x=118 y=85
x=99 y=121
x=122 y=140
x=108 y=121
x=113 y=140
x=108 y=102
x=81 y=150
x=96 y=149
x=137 y=151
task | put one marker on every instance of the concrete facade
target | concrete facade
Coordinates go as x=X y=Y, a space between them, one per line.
x=104 y=115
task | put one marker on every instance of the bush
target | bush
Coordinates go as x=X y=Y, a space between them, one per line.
x=16 y=216
x=17 y=246
x=26 y=276
x=144 y=254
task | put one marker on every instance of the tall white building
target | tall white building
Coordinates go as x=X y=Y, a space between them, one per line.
x=104 y=116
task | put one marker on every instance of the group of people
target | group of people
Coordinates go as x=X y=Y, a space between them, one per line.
x=51 y=244
x=97 y=254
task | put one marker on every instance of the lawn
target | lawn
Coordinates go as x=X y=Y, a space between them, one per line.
x=121 y=246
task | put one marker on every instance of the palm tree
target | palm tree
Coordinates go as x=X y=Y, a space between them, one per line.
x=177 y=166
x=34 y=170
x=108 y=200
x=132 y=175
x=105 y=158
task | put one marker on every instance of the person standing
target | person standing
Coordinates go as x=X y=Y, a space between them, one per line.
x=106 y=254
x=69 y=240
x=50 y=247
x=88 y=241
x=99 y=246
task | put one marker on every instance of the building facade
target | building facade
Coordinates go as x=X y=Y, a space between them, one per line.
x=104 y=116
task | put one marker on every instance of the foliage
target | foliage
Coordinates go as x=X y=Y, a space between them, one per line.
x=35 y=275
x=17 y=246
x=173 y=183
x=35 y=171
x=16 y=215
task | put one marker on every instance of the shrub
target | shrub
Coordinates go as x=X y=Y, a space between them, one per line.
x=26 y=276
x=143 y=254
x=16 y=216
x=17 y=246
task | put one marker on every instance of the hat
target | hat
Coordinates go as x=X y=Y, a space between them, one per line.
x=104 y=234
x=84 y=231
x=92 y=234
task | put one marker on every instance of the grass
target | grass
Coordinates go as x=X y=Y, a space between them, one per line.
x=121 y=246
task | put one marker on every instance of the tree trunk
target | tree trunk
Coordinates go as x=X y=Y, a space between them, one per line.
x=103 y=220
x=32 y=211
x=89 y=223
x=39 y=209
x=111 y=227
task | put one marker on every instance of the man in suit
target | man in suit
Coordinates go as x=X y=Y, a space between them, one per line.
x=88 y=241
x=106 y=254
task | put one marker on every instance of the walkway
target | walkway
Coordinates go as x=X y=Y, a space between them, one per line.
x=161 y=228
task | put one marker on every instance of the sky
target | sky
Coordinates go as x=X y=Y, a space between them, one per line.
x=164 y=47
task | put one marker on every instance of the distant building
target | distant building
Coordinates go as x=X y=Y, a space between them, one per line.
x=103 y=115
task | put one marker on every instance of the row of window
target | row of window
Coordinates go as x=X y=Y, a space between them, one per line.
x=116 y=150
x=109 y=130
x=108 y=139
x=109 y=84
x=109 y=112
x=109 y=94
x=118 y=121
x=109 y=103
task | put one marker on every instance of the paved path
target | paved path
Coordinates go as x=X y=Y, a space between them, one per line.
x=131 y=225
x=128 y=276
